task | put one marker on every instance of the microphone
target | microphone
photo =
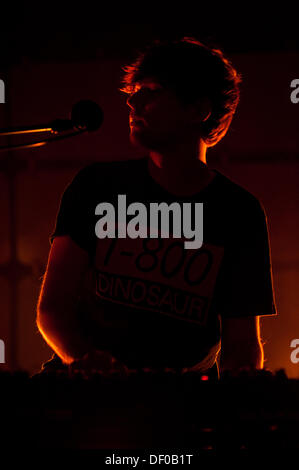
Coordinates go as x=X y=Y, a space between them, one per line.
x=86 y=115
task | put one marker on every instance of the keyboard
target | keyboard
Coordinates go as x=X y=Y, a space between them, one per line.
x=149 y=409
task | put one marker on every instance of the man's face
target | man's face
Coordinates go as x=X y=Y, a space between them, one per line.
x=157 y=118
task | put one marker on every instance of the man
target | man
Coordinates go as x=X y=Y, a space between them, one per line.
x=135 y=303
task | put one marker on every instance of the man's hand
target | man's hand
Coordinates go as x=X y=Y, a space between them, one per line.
x=99 y=362
x=241 y=347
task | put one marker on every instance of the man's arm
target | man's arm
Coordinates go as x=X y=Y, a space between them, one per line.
x=57 y=306
x=241 y=346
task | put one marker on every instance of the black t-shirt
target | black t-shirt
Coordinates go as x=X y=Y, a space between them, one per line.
x=151 y=302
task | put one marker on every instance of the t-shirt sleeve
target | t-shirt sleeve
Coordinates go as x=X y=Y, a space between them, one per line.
x=245 y=285
x=75 y=216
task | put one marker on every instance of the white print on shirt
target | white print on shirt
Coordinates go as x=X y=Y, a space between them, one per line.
x=158 y=221
x=158 y=275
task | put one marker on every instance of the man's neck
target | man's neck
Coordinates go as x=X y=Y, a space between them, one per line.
x=181 y=171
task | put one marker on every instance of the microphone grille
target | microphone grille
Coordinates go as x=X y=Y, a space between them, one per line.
x=87 y=114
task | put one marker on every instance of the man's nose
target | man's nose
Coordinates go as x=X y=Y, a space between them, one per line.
x=131 y=100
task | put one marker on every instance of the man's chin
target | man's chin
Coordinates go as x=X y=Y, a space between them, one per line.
x=142 y=141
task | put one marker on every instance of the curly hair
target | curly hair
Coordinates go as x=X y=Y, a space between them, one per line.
x=193 y=71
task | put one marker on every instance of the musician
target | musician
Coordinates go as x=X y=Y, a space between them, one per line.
x=150 y=303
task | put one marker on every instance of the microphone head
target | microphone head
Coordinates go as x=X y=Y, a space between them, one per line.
x=86 y=114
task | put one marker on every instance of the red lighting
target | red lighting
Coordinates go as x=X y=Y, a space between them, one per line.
x=204 y=377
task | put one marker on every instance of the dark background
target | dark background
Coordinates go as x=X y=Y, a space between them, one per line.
x=55 y=55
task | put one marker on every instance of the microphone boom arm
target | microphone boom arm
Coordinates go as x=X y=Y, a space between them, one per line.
x=40 y=143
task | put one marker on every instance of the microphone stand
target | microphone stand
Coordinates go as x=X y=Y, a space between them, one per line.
x=59 y=125
x=25 y=130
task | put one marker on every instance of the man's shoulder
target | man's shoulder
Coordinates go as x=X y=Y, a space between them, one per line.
x=235 y=194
